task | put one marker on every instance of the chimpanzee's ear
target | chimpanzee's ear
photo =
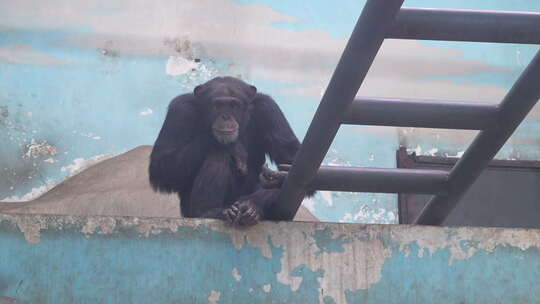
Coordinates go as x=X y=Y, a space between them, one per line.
x=198 y=89
x=251 y=91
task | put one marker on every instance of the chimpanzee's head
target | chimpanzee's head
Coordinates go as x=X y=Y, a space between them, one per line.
x=226 y=103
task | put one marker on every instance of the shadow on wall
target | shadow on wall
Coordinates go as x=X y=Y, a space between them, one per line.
x=116 y=186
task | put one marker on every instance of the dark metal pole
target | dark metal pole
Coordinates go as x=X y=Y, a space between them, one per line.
x=349 y=74
x=380 y=180
x=466 y=25
x=421 y=113
x=512 y=110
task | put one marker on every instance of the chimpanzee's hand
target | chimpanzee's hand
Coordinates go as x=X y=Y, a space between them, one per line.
x=270 y=179
x=231 y=214
x=242 y=213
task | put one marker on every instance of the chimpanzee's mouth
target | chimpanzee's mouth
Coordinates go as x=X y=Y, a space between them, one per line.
x=225 y=131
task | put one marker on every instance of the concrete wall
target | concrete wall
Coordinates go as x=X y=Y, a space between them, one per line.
x=68 y=259
x=84 y=80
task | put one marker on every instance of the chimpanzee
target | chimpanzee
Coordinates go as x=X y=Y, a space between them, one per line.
x=211 y=151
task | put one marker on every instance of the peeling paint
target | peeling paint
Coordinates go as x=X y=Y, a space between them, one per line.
x=326 y=243
x=236 y=274
x=34 y=193
x=464 y=242
x=214 y=297
x=146 y=112
x=177 y=65
x=340 y=258
x=80 y=164
x=37 y=149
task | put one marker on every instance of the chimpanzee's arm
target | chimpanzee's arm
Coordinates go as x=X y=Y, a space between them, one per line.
x=279 y=140
x=180 y=147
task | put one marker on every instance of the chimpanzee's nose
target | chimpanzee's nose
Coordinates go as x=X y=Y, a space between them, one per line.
x=225 y=116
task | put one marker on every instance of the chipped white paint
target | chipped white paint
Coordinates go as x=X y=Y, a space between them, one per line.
x=464 y=242
x=37 y=149
x=80 y=164
x=369 y=215
x=432 y=151
x=214 y=296
x=146 y=112
x=327 y=196
x=34 y=193
x=177 y=65
x=301 y=247
x=236 y=274
x=267 y=288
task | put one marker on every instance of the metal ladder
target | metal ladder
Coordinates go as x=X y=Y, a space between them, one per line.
x=381 y=19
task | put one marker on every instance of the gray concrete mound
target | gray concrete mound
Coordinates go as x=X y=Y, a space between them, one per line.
x=116 y=186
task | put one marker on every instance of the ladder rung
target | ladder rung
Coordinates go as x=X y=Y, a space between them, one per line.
x=466 y=25
x=421 y=113
x=380 y=180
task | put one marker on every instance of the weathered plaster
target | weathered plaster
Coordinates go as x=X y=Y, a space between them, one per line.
x=343 y=258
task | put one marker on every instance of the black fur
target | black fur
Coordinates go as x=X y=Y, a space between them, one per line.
x=207 y=175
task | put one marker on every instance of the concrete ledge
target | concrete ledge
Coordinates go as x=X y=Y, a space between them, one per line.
x=91 y=259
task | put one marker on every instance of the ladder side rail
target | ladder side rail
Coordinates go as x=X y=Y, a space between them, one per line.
x=356 y=59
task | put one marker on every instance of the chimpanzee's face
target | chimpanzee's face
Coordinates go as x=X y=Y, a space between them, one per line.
x=226 y=102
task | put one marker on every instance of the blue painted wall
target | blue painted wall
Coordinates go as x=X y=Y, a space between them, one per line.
x=51 y=259
x=79 y=80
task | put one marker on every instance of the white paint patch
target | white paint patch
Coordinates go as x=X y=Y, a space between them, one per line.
x=236 y=274
x=327 y=196
x=370 y=216
x=50 y=160
x=177 y=65
x=89 y=135
x=391 y=216
x=37 y=149
x=214 y=296
x=432 y=152
x=267 y=287
x=80 y=164
x=33 y=194
x=147 y=111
